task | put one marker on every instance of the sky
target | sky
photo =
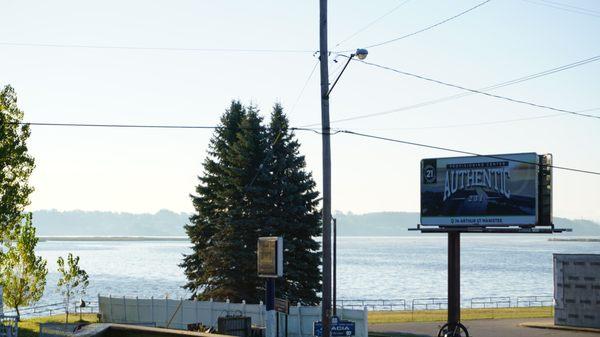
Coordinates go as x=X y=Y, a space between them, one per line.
x=136 y=170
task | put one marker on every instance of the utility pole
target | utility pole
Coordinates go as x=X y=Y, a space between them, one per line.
x=324 y=58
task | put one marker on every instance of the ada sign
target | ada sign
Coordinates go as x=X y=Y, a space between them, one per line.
x=499 y=190
x=338 y=328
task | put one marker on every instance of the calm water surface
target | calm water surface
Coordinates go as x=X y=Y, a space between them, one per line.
x=368 y=267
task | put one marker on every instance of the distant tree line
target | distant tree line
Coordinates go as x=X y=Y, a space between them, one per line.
x=254 y=183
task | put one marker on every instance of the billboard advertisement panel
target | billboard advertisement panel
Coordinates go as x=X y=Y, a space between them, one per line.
x=495 y=190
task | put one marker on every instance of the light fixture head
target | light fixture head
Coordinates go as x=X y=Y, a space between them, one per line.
x=362 y=53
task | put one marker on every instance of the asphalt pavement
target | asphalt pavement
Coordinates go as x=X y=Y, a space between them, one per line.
x=482 y=328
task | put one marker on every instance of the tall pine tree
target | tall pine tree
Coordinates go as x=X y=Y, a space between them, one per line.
x=254 y=184
x=211 y=204
x=295 y=214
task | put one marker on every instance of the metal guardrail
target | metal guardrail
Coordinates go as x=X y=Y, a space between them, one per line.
x=535 y=301
x=389 y=304
x=491 y=302
x=441 y=303
x=54 y=309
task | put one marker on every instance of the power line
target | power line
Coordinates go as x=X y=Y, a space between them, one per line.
x=464 y=152
x=565 y=7
x=176 y=49
x=141 y=126
x=428 y=27
x=492 y=87
x=334 y=132
x=304 y=87
x=571 y=6
x=367 y=26
x=541 y=106
x=504 y=121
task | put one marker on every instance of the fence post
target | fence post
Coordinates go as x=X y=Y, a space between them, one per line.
x=166 y=310
x=124 y=310
x=197 y=318
x=243 y=307
x=299 y=319
x=152 y=310
x=182 y=309
x=366 y=322
x=110 y=307
x=137 y=304
x=212 y=322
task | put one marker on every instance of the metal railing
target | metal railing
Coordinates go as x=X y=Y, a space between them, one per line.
x=441 y=303
x=491 y=302
x=389 y=304
x=535 y=301
x=55 y=309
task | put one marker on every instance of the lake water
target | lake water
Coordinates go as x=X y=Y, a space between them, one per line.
x=368 y=267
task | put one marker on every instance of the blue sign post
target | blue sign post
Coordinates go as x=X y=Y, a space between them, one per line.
x=339 y=328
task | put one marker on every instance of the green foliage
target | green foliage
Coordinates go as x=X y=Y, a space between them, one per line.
x=253 y=185
x=22 y=274
x=16 y=164
x=73 y=280
x=294 y=214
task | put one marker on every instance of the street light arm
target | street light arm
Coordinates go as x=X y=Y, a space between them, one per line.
x=340 y=75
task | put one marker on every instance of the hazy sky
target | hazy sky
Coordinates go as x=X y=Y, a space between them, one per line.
x=146 y=170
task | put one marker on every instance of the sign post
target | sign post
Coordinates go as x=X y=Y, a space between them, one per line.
x=270 y=266
x=510 y=193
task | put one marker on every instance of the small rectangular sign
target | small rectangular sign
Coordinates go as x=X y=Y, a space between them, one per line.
x=338 y=327
x=495 y=190
x=270 y=256
x=282 y=305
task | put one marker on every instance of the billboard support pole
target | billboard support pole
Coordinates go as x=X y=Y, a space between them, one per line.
x=453 y=282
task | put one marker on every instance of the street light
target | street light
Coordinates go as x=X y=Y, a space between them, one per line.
x=361 y=54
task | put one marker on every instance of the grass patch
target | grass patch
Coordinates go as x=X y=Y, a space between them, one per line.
x=466 y=314
x=30 y=327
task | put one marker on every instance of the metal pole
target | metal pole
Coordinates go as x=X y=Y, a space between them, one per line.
x=271 y=329
x=453 y=280
x=324 y=57
x=334 y=266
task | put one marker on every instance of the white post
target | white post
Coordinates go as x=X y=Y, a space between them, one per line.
x=110 y=308
x=152 y=309
x=366 y=322
x=212 y=322
x=197 y=318
x=182 y=308
x=260 y=313
x=137 y=304
x=124 y=309
x=299 y=321
x=166 y=311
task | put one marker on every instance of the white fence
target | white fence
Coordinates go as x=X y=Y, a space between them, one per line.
x=179 y=313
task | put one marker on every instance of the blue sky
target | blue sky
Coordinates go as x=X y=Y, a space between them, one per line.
x=146 y=170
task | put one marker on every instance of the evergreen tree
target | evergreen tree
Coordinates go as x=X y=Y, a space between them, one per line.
x=16 y=165
x=295 y=215
x=211 y=204
x=254 y=184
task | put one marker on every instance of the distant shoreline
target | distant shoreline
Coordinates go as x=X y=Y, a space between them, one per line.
x=113 y=238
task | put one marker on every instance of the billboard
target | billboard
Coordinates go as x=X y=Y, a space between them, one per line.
x=495 y=190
